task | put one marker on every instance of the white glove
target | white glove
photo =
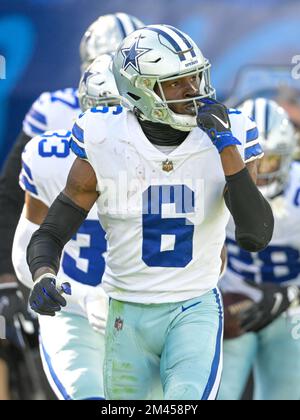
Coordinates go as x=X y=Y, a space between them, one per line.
x=96 y=304
x=93 y=301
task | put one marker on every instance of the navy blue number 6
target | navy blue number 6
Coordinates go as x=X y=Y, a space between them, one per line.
x=167 y=241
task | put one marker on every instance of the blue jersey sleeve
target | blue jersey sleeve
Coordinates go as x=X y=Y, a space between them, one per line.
x=36 y=121
x=27 y=179
x=52 y=111
x=46 y=162
x=77 y=138
x=253 y=149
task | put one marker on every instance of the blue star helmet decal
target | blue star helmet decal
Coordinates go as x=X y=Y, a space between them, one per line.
x=132 y=54
x=86 y=75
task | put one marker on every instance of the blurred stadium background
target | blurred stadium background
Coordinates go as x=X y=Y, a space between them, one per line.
x=39 y=40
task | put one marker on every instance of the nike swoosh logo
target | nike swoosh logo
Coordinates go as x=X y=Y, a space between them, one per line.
x=278 y=301
x=191 y=306
x=226 y=125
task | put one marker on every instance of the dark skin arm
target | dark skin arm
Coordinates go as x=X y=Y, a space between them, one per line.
x=233 y=163
x=81 y=189
x=81 y=185
x=252 y=168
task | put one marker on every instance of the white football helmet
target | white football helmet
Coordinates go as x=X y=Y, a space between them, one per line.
x=97 y=85
x=105 y=34
x=153 y=55
x=278 y=139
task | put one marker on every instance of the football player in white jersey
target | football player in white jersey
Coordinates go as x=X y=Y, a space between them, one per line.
x=158 y=180
x=51 y=111
x=58 y=110
x=267 y=281
x=72 y=343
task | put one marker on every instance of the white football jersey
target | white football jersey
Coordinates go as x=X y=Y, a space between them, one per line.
x=52 y=111
x=164 y=215
x=46 y=162
x=280 y=261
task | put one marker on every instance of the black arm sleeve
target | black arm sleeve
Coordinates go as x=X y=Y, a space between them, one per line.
x=62 y=222
x=11 y=202
x=251 y=212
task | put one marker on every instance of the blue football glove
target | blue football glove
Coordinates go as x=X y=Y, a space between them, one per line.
x=45 y=298
x=213 y=118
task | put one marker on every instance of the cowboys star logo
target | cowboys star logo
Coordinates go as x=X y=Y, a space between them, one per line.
x=86 y=75
x=132 y=54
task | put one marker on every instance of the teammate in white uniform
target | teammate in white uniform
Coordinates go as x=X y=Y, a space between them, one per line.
x=72 y=343
x=70 y=348
x=158 y=181
x=59 y=109
x=270 y=347
x=51 y=111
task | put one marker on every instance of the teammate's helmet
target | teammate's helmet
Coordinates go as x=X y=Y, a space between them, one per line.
x=156 y=54
x=278 y=140
x=105 y=35
x=97 y=85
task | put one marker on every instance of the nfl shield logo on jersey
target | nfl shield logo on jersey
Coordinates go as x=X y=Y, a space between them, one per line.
x=167 y=165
